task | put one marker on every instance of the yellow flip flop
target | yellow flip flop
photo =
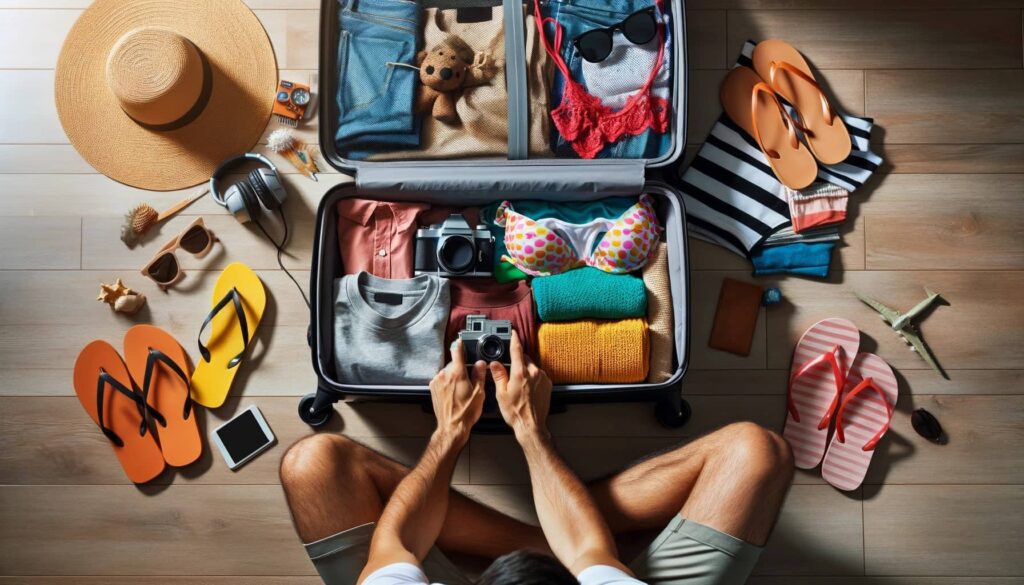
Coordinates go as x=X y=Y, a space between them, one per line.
x=239 y=300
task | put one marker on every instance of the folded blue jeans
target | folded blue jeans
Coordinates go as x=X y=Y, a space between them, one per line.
x=375 y=96
x=577 y=17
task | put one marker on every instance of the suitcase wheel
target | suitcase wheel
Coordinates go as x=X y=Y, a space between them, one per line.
x=672 y=412
x=314 y=414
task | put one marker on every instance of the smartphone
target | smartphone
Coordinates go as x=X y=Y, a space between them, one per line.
x=243 y=437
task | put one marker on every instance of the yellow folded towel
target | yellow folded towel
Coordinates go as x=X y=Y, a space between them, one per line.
x=659 y=315
x=594 y=352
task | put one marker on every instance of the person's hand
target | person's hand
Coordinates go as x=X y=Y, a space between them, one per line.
x=458 y=399
x=523 y=392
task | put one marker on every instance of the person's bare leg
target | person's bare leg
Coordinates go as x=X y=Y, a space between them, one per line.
x=333 y=483
x=733 y=480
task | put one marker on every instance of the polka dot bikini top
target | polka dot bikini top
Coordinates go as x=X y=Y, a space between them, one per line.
x=549 y=246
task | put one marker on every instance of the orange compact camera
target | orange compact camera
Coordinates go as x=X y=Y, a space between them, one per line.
x=291 y=102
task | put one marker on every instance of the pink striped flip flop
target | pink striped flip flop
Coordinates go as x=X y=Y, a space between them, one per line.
x=863 y=418
x=820 y=362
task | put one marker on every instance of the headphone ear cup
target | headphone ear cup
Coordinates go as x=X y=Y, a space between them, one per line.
x=262 y=189
x=249 y=199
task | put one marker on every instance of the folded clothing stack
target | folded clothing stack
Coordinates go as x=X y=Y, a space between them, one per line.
x=601 y=352
x=589 y=293
x=578 y=212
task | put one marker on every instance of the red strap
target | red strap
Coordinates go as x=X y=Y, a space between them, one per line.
x=866 y=383
x=837 y=374
x=556 y=56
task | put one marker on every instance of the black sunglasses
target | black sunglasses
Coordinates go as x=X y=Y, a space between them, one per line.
x=638 y=28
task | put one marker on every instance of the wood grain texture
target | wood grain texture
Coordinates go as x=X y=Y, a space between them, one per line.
x=953 y=158
x=248 y=526
x=942 y=107
x=963 y=232
x=980 y=329
x=883 y=39
x=978 y=528
x=53 y=442
x=40 y=242
x=819 y=533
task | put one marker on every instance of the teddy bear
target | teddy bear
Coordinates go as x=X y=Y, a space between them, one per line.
x=445 y=70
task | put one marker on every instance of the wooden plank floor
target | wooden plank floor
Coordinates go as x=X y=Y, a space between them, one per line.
x=943 y=80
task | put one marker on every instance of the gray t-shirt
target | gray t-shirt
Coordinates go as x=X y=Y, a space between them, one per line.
x=389 y=332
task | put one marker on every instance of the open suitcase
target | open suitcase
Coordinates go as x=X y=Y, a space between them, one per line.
x=514 y=175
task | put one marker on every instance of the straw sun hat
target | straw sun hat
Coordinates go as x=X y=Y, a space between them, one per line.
x=156 y=93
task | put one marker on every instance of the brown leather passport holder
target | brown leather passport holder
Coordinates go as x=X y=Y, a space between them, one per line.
x=739 y=304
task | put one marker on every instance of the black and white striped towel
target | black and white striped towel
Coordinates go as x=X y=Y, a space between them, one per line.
x=732 y=197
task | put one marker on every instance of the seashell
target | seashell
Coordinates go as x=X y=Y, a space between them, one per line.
x=136 y=222
x=130 y=303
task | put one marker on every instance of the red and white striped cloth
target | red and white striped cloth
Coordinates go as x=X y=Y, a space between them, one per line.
x=863 y=416
x=814 y=392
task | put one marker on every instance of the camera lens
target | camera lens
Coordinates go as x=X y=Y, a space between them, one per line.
x=456 y=254
x=491 y=348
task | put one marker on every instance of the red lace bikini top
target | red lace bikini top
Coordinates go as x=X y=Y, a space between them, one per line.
x=586 y=123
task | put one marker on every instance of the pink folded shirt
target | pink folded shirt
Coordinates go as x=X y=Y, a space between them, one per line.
x=377 y=236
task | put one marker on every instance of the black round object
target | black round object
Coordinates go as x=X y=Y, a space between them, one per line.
x=195 y=240
x=311 y=417
x=164 y=269
x=672 y=415
x=640 y=27
x=456 y=253
x=926 y=425
x=594 y=46
x=491 y=348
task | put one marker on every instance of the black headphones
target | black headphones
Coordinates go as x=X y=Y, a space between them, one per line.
x=246 y=200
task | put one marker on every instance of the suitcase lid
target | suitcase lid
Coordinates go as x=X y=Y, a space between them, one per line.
x=600 y=176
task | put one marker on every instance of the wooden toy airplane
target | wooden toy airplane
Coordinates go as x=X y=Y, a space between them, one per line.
x=904 y=326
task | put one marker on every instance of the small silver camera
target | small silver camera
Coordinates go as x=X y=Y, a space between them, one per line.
x=487 y=339
x=453 y=248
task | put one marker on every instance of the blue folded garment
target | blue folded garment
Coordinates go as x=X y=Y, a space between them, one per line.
x=589 y=293
x=801 y=259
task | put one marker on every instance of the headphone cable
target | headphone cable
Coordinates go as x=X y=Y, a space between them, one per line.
x=280 y=251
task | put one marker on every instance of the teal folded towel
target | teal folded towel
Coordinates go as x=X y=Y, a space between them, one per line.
x=589 y=293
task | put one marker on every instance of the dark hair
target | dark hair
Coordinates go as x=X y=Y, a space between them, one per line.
x=525 y=567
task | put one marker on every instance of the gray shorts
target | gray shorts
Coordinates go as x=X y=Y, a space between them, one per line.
x=684 y=553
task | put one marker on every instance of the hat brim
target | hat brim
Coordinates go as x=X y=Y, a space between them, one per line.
x=244 y=81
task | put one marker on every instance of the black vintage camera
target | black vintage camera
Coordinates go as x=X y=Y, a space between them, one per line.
x=453 y=248
x=486 y=339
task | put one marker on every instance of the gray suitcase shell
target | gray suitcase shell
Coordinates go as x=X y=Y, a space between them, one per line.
x=476 y=182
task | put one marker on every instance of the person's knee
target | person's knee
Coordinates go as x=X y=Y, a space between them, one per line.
x=759 y=453
x=316 y=456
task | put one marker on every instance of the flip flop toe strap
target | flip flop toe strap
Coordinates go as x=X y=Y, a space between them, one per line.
x=837 y=375
x=763 y=87
x=155 y=355
x=104 y=380
x=826 y=107
x=233 y=297
x=865 y=384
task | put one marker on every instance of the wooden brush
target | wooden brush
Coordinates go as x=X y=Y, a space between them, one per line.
x=143 y=217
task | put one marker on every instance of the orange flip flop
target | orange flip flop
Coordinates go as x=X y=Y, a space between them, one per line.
x=789 y=75
x=750 y=103
x=158 y=363
x=105 y=390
